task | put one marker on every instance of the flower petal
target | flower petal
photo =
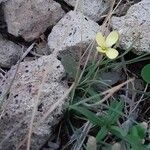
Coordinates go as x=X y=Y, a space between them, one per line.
x=100 y=39
x=112 y=53
x=112 y=38
x=99 y=49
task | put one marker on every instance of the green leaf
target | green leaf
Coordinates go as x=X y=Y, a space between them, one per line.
x=119 y=132
x=138 y=131
x=101 y=134
x=115 y=109
x=134 y=132
x=70 y=65
x=145 y=73
x=133 y=140
x=88 y=114
x=92 y=92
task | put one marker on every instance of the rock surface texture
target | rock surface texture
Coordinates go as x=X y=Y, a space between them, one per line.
x=22 y=98
x=2 y=1
x=9 y=53
x=73 y=33
x=134 y=27
x=94 y=9
x=31 y=18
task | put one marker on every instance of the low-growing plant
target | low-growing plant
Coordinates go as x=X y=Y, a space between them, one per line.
x=102 y=110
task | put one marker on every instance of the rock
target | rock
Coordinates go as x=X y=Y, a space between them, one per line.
x=31 y=18
x=9 y=53
x=23 y=94
x=134 y=27
x=93 y=9
x=66 y=35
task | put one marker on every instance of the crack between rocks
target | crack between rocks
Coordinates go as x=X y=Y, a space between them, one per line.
x=64 y=5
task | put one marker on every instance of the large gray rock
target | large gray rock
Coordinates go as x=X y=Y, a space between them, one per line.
x=73 y=33
x=134 y=27
x=31 y=18
x=94 y=9
x=9 y=53
x=22 y=98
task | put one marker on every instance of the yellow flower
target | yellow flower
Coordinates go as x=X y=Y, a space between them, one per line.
x=105 y=44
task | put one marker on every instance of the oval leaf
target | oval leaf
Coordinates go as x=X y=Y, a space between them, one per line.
x=145 y=73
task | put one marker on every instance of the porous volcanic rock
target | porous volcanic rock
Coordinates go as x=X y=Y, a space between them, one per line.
x=134 y=27
x=93 y=9
x=18 y=106
x=31 y=18
x=72 y=34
